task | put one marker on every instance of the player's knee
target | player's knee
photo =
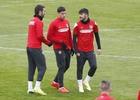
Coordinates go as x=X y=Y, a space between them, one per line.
x=61 y=68
x=94 y=67
x=79 y=70
x=67 y=67
x=43 y=68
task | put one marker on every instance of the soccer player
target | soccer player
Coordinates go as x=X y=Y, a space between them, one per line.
x=60 y=34
x=35 y=54
x=105 y=89
x=83 y=38
x=138 y=95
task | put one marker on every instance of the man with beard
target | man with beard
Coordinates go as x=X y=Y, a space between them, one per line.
x=35 y=54
x=83 y=38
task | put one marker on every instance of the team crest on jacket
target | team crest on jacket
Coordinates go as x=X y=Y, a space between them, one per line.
x=60 y=52
x=90 y=26
x=31 y=22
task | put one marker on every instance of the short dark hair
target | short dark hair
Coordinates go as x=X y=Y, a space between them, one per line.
x=38 y=8
x=60 y=9
x=84 y=10
x=105 y=85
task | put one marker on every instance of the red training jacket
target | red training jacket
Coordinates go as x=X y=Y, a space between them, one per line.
x=138 y=95
x=35 y=34
x=85 y=35
x=104 y=97
x=58 y=32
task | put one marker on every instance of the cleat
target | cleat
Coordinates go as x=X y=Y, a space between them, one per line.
x=87 y=86
x=30 y=91
x=39 y=91
x=81 y=89
x=54 y=84
x=63 y=90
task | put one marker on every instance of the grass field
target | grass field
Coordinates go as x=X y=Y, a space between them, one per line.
x=119 y=24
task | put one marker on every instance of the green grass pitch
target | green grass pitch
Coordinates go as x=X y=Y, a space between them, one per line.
x=119 y=25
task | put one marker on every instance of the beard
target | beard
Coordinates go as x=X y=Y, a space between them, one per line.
x=82 y=18
x=40 y=17
x=85 y=21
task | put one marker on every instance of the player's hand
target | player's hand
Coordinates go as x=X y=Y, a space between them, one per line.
x=50 y=44
x=78 y=54
x=99 y=51
x=72 y=52
x=63 y=46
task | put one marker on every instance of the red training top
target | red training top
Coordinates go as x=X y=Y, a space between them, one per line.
x=85 y=35
x=139 y=95
x=104 y=97
x=35 y=34
x=58 y=32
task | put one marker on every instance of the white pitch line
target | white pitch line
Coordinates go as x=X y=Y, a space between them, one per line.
x=102 y=30
x=3 y=35
x=17 y=4
x=20 y=49
x=114 y=56
x=119 y=29
x=7 y=48
x=107 y=56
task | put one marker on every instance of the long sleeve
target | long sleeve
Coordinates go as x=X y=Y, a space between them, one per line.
x=98 y=40
x=39 y=30
x=74 y=43
x=70 y=39
x=75 y=33
x=51 y=34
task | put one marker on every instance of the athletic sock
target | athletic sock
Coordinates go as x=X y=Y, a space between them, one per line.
x=30 y=85
x=79 y=83
x=87 y=79
x=37 y=85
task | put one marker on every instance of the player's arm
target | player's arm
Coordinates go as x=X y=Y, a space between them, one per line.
x=75 y=34
x=51 y=34
x=74 y=43
x=70 y=39
x=98 y=42
x=97 y=38
x=39 y=29
x=71 y=42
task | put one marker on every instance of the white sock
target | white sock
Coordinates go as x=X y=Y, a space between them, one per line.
x=61 y=87
x=87 y=79
x=79 y=83
x=37 y=85
x=30 y=85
